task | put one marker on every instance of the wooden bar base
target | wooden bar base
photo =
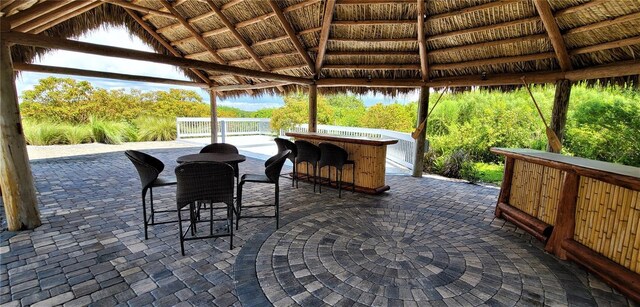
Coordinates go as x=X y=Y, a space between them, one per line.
x=614 y=274
x=532 y=225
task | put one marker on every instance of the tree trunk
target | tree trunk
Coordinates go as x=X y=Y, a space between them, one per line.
x=16 y=181
x=214 y=117
x=423 y=109
x=560 y=107
x=313 y=108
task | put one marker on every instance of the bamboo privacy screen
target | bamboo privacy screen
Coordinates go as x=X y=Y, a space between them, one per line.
x=608 y=221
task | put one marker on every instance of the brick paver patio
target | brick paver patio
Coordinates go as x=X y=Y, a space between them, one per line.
x=425 y=242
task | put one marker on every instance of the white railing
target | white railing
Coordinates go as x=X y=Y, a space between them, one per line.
x=401 y=152
x=188 y=127
x=192 y=127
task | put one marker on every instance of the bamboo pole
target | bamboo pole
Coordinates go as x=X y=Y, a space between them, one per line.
x=418 y=161
x=16 y=180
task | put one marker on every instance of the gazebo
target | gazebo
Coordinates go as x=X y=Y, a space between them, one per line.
x=237 y=47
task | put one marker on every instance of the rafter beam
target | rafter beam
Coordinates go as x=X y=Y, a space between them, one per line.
x=422 y=42
x=164 y=43
x=501 y=42
x=324 y=33
x=141 y=8
x=471 y=9
x=55 y=17
x=101 y=74
x=292 y=35
x=33 y=12
x=374 y=66
x=483 y=28
x=579 y=7
x=239 y=38
x=271 y=56
x=230 y=4
x=494 y=61
x=371 y=53
x=373 y=22
x=544 y=10
x=605 y=46
x=199 y=38
x=256 y=86
x=361 y=2
x=44 y=41
x=605 y=71
x=374 y=40
x=604 y=23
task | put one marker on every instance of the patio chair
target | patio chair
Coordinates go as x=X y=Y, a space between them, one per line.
x=149 y=168
x=224 y=148
x=273 y=167
x=207 y=183
x=284 y=144
x=336 y=156
x=309 y=153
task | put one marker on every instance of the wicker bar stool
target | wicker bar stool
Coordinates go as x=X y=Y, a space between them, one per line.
x=336 y=156
x=309 y=153
x=149 y=168
x=284 y=144
x=224 y=148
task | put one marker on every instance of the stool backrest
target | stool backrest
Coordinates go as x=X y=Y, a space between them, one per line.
x=274 y=165
x=307 y=152
x=333 y=155
x=284 y=144
x=148 y=167
x=204 y=181
x=219 y=148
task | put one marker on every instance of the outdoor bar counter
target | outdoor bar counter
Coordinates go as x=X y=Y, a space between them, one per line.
x=369 y=154
x=584 y=210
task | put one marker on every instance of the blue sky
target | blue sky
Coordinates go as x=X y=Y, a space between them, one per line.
x=120 y=37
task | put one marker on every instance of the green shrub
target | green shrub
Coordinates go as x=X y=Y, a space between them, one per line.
x=78 y=134
x=44 y=134
x=112 y=132
x=459 y=165
x=156 y=128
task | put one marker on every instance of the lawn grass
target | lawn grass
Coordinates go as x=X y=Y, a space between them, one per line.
x=489 y=172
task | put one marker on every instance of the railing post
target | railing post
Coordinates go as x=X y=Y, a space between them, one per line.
x=214 y=117
x=178 y=133
x=223 y=130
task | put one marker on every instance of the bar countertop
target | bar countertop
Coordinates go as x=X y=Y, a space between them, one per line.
x=569 y=162
x=347 y=139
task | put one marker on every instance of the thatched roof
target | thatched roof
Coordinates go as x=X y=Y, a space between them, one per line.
x=365 y=39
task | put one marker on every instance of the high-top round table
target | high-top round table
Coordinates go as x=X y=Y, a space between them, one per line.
x=212 y=157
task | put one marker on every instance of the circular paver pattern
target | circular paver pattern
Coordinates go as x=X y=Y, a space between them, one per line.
x=376 y=256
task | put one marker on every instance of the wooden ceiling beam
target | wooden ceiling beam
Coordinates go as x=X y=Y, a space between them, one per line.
x=373 y=66
x=199 y=38
x=255 y=86
x=550 y=24
x=373 y=22
x=230 y=4
x=501 y=42
x=483 y=28
x=164 y=43
x=471 y=9
x=65 y=17
x=371 y=53
x=605 y=71
x=271 y=56
x=141 y=8
x=299 y=66
x=579 y=7
x=606 y=46
x=34 y=11
x=375 y=40
x=324 y=33
x=292 y=35
x=604 y=23
x=422 y=42
x=361 y=2
x=53 y=16
x=44 y=41
x=493 y=61
x=5 y=4
x=101 y=74
x=239 y=38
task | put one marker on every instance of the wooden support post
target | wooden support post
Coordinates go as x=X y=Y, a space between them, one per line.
x=16 y=181
x=565 y=224
x=214 y=117
x=423 y=109
x=560 y=107
x=505 y=189
x=313 y=108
